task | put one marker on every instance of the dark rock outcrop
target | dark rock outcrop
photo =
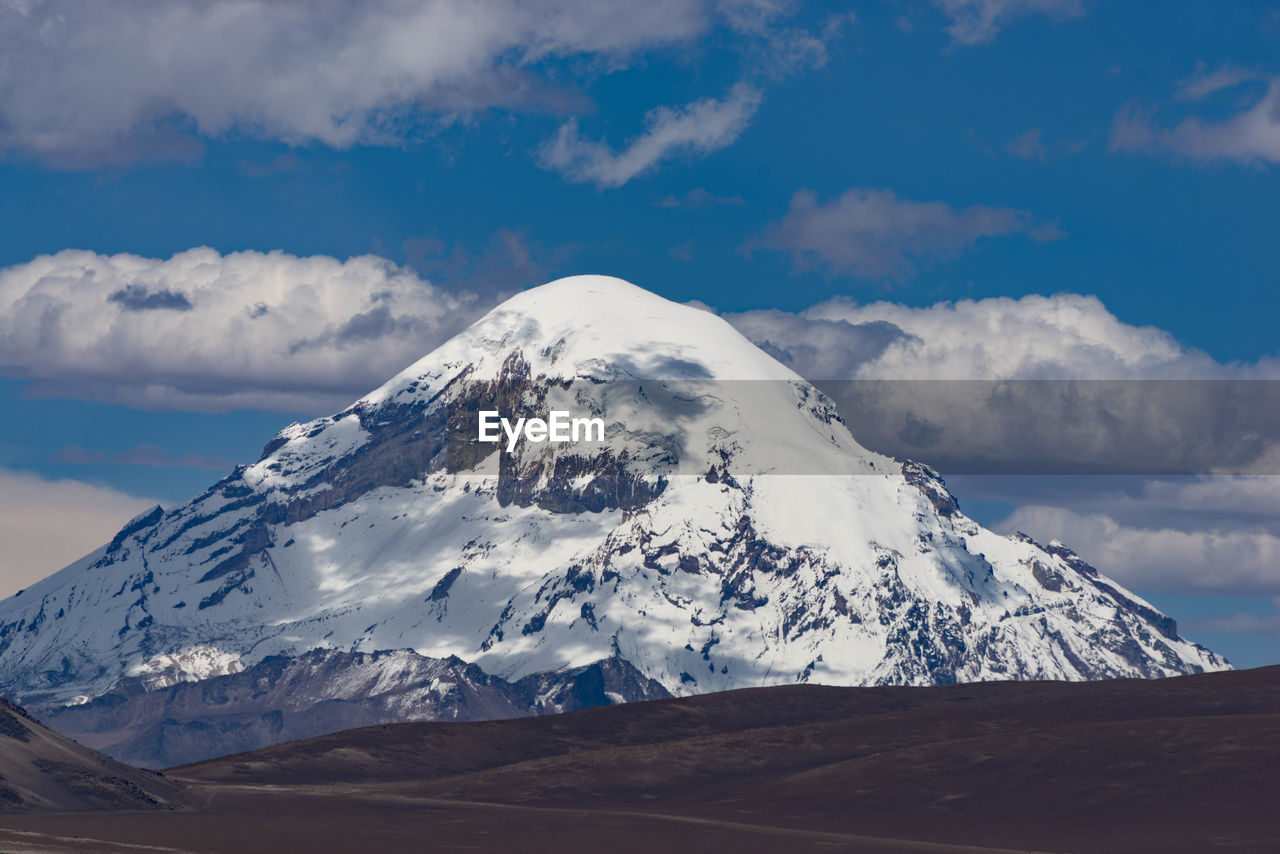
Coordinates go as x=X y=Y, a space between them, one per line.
x=324 y=691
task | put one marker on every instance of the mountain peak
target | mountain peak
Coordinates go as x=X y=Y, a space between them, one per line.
x=602 y=328
x=598 y=291
x=726 y=534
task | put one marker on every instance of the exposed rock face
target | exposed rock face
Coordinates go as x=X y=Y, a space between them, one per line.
x=729 y=532
x=323 y=691
x=603 y=683
x=931 y=487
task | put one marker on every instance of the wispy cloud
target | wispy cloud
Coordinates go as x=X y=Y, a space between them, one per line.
x=1248 y=135
x=698 y=198
x=979 y=21
x=874 y=234
x=776 y=49
x=697 y=128
x=683 y=251
x=1206 y=81
x=509 y=262
x=1029 y=146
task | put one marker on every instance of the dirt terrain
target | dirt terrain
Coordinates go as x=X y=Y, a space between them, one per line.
x=43 y=771
x=1186 y=764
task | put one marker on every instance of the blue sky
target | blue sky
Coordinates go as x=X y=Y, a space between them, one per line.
x=748 y=154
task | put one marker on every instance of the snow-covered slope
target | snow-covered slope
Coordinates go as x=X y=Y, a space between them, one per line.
x=729 y=532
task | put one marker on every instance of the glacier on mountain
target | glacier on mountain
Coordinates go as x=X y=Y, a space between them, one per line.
x=730 y=533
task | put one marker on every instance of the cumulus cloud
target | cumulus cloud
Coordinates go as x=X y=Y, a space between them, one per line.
x=102 y=82
x=1058 y=385
x=108 y=83
x=874 y=234
x=978 y=21
x=701 y=127
x=47 y=524
x=1187 y=535
x=815 y=347
x=1032 y=385
x=1248 y=135
x=214 y=332
x=1064 y=336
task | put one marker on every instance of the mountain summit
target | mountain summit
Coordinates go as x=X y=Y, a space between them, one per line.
x=728 y=531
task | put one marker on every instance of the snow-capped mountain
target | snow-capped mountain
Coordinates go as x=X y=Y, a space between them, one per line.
x=728 y=532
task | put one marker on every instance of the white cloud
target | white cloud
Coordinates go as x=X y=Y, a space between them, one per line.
x=1032 y=385
x=701 y=127
x=88 y=83
x=874 y=234
x=977 y=21
x=1033 y=337
x=1189 y=535
x=215 y=332
x=988 y=384
x=1249 y=135
x=816 y=347
x=46 y=525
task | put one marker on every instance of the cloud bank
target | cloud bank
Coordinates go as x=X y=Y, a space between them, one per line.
x=1033 y=385
x=1064 y=336
x=90 y=83
x=47 y=524
x=1187 y=535
x=209 y=331
x=214 y=332
x=1053 y=380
